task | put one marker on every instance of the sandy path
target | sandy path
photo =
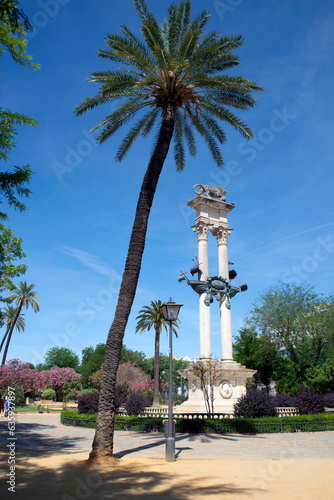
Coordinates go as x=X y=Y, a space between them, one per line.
x=69 y=477
x=51 y=464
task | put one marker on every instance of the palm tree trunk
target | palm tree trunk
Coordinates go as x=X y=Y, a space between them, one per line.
x=4 y=338
x=104 y=432
x=156 y=367
x=10 y=333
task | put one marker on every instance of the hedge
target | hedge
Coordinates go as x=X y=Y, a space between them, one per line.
x=302 y=423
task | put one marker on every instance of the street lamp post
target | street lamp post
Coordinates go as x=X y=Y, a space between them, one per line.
x=170 y=312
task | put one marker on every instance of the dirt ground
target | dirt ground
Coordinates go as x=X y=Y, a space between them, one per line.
x=51 y=463
x=69 y=477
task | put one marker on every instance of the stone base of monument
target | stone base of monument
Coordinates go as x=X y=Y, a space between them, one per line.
x=228 y=382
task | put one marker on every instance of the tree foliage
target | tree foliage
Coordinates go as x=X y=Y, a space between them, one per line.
x=299 y=323
x=258 y=353
x=61 y=357
x=14 y=26
x=14 y=180
x=176 y=65
x=93 y=357
x=178 y=364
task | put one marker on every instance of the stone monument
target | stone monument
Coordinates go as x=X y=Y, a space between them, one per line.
x=222 y=381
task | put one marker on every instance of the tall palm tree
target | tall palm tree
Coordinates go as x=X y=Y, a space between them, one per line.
x=147 y=317
x=9 y=315
x=24 y=296
x=172 y=80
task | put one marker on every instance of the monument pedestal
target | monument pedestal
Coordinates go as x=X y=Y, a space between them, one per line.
x=228 y=386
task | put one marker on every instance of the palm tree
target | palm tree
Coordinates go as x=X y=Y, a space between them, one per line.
x=147 y=317
x=172 y=81
x=24 y=296
x=9 y=314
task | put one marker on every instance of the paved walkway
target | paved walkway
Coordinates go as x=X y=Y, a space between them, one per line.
x=43 y=434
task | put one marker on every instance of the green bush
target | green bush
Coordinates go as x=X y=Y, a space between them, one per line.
x=71 y=390
x=87 y=391
x=49 y=394
x=20 y=399
x=303 y=423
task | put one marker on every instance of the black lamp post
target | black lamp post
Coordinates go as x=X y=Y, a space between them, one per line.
x=170 y=312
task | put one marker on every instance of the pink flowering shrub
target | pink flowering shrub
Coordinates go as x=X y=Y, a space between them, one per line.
x=146 y=385
x=34 y=382
x=144 y=389
x=127 y=376
x=163 y=386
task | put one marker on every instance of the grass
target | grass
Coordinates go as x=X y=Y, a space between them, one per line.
x=33 y=409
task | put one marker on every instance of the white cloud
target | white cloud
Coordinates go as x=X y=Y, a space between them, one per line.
x=89 y=260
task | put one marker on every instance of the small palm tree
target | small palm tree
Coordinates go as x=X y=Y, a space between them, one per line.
x=172 y=82
x=9 y=315
x=24 y=296
x=147 y=317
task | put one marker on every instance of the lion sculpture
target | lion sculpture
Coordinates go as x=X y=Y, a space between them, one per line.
x=211 y=192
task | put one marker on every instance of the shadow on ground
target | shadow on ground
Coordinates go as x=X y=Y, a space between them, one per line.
x=77 y=479
x=31 y=436
x=161 y=441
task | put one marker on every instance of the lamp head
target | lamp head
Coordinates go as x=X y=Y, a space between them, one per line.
x=170 y=311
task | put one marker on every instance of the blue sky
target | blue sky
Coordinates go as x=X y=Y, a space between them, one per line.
x=78 y=225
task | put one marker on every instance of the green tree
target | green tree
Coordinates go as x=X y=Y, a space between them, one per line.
x=14 y=26
x=24 y=296
x=178 y=364
x=61 y=357
x=13 y=182
x=91 y=360
x=320 y=378
x=172 y=81
x=136 y=358
x=10 y=314
x=298 y=321
x=148 y=317
x=10 y=251
x=93 y=357
x=258 y=353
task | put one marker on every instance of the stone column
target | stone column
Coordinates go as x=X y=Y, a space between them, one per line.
x=222 y=233
x=201 y=228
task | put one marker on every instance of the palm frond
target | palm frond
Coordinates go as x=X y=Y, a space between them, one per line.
x=191 y=143
x=169 y=30
x=201 y=21
x=118 y=118
x=208 y=138
x=150 y=28
x=228 y=117
x=188 y=44
x=214 y=127
x=175 y=26
x=174 y=64
x=147 y=128
x=133 y=134
x=123 y=50
x=179 y=153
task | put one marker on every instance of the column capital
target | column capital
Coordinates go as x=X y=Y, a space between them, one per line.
x=202 y=229
x=221 y=233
